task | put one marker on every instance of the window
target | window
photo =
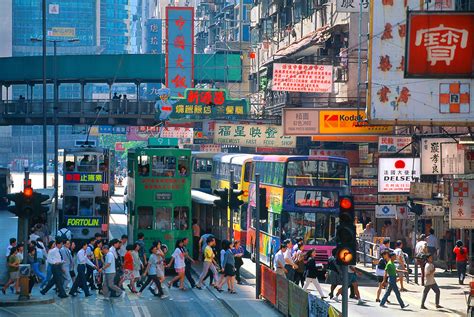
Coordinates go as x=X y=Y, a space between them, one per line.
x=87 y=163
x=274 y=224
x=248 y=172
x=70 y=205
x=181 y=218
x=145 y=217
x=316 y=198
x=302 y=173
x=143 y=165
x=102 y=164
x=70 y=165
x=183 y=165
x=333 y=174
x=243 y=216
x=86 y=206
x=163 y=218
x=163 y=166
x=237 y=172
x=202 y=165
x=315 y=228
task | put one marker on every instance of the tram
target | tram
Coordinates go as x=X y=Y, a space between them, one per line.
x=159 y=192
x=202 y=171
x=86 y=183
x=6 y=184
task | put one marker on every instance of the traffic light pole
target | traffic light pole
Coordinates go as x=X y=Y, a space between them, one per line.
x=231 y=211
x=345 y=286
x=257 y=237
x=415 y=233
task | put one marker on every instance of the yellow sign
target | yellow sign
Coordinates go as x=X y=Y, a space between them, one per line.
x=348 y=121
x=62 y=32
x=83 y=222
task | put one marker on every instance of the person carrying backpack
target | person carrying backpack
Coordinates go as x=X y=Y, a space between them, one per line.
x=64 y=233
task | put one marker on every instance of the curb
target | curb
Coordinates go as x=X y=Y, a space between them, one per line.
x=28 y=302
x=368 y=274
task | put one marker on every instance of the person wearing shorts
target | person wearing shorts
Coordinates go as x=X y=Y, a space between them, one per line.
x=380 y=272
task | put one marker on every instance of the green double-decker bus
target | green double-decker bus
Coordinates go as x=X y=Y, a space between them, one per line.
x=159 y=193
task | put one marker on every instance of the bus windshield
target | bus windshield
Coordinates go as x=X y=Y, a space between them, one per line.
x=317 y=173
x=314 y=228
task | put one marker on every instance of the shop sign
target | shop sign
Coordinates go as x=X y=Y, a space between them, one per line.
x=441 y=156
x=392 y=199
x=426 y=44
x=363 y=172
x=402 y=212
x=153 y=36
x=363 y=182
x=365 y=199
x=83 y=177
x=352 y=5
x=251 y=135
x=352 y=156
x=83 y=221
x=108 y=129
x=302 y=78
x=163 y=196
x=62 y=32
x=364 y=190
x=119 y=147
x=421 y=190
x=395 y=144
x=433 y=211
x=301 y=121
x=143 y=133
x=214 y=148
x=348 y=121
x=385 y=211
x=462 y=207
x=440 y=44
x=396 y=174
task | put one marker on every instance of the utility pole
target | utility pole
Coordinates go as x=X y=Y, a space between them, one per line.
x=45 y=145
x=345 y=286
x=56 y=132
x=231 y=210
x=415 y=233
x=257 y=237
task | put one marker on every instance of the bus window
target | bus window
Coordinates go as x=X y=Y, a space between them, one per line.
x=145 y=217
x=143 y=165
x=87 y=163
x=333 y=173
x=70 y=165
x=86 y=205
x=202 y=165
x=243 y=216
x=183 y=165
x=237 y=172
x=163 y=218
x=3 y=186
x=181 y=218
x=247 y=171
x=163 y=166
x=70 y=206
x=301 y=173
x=102 y=165
x=274 y=224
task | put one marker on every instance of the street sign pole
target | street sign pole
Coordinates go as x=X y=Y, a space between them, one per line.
x=257 y=237
x=231 y=211
x=415 y=233
x=345 y=286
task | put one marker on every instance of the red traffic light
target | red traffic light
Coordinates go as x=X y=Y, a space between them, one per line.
x=345 y=203
x=28 y=192
x=345 y=256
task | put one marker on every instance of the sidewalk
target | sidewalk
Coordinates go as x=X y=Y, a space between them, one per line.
x=10 y=299
x=244 y=302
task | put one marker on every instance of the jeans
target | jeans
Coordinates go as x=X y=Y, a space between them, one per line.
x=299 y=277
x=37 y=270
x=461 y=268
x=392 y=286
x=49 y=275
x=435 y=289
x=205 y=268
x=108 y=285
x=80 y=280
x=291 y=272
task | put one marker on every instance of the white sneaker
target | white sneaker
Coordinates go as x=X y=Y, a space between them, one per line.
x=360 y=302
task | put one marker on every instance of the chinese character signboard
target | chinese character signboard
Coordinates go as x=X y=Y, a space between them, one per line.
x=395 y=144
x=352 y=5
x=153 y=36
x=441 y=156
x=143 y=133
x=253 y=135
x=436 y=45
x=201 y=104
x=300 y=121
x=179 y=49
x=396 y=174
x=302 y=77
x=83 y=177
x=440 y=44
x=461 y=211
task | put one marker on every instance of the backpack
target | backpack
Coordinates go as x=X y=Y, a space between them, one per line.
x=63 y=234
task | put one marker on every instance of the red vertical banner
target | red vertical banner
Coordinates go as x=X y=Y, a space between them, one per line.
x=179 y=49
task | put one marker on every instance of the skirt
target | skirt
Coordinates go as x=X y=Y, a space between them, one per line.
x=179 y=270
x=229 y=270
x=129 y=275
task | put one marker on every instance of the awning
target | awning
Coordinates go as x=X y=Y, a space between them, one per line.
x=202 y=198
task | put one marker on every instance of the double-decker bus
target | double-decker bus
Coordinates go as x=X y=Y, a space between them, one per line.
x=86 y=183
x=202 y=171
x=159 y=192
x=302 y=197
x=6 y=184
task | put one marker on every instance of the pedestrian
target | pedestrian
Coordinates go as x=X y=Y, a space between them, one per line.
x=128 y=269
x=391 y=277
x=298 y=241
x=196 y=235
x=179 y=265
x=115 y=247
x=238 y=252
x=137 y=263
x=461 y=253
x=56 y=263
x=123 y=246
x=385 y=245
x=380 y=272
x=209 y=262
x=333 y=276
x=31 y=260
x=430 y=283
x=352 y=279
x=141 y=253
x=68 y=264
x=311 y=273
x=290 y=265
x=151 y=273
x=299 y=258
x=64 y=233
x=400 y=263
x=432 y=243
x=109 y=276
x=12 y=244
x=99 y=261
x=72 y=272
x=280 y=260
x=203 y=243
x=91 y=257
x=82 y=263
x=49 y=271
x=421 y=250
x=188 y=261
x=13 y=267
x=228 y=266
x=20 y=249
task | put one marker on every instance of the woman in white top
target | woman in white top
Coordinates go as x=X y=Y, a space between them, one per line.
x=179 y=265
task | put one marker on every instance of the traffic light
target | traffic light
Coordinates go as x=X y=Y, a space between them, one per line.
x=223 y=201
x=346 y=233
x=417 y=209
x=27 y=203
x=234 y=201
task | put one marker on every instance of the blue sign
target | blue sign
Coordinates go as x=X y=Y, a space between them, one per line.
x=108 y=129
x=179 y=49
x=153 y=36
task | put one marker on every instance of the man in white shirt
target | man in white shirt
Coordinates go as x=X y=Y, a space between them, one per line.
x=82 y=263
x=432 y=243
x=279 y=260
x=421 y=250
x=400 y=265
x=290 y=265
x=109 y=276
x=56 y=262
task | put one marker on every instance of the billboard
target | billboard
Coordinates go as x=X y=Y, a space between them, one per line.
x=251 y=135
x=395 y=174
x=347 y=121
x=394 y=99
x=301 y=121
x=352 y=5
x=143 y=133
x=179 y=49
x=302 y=78
x=461 y=211
x=395 y=144
x=439 y=44
x=153 y=36
x=441 y=156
